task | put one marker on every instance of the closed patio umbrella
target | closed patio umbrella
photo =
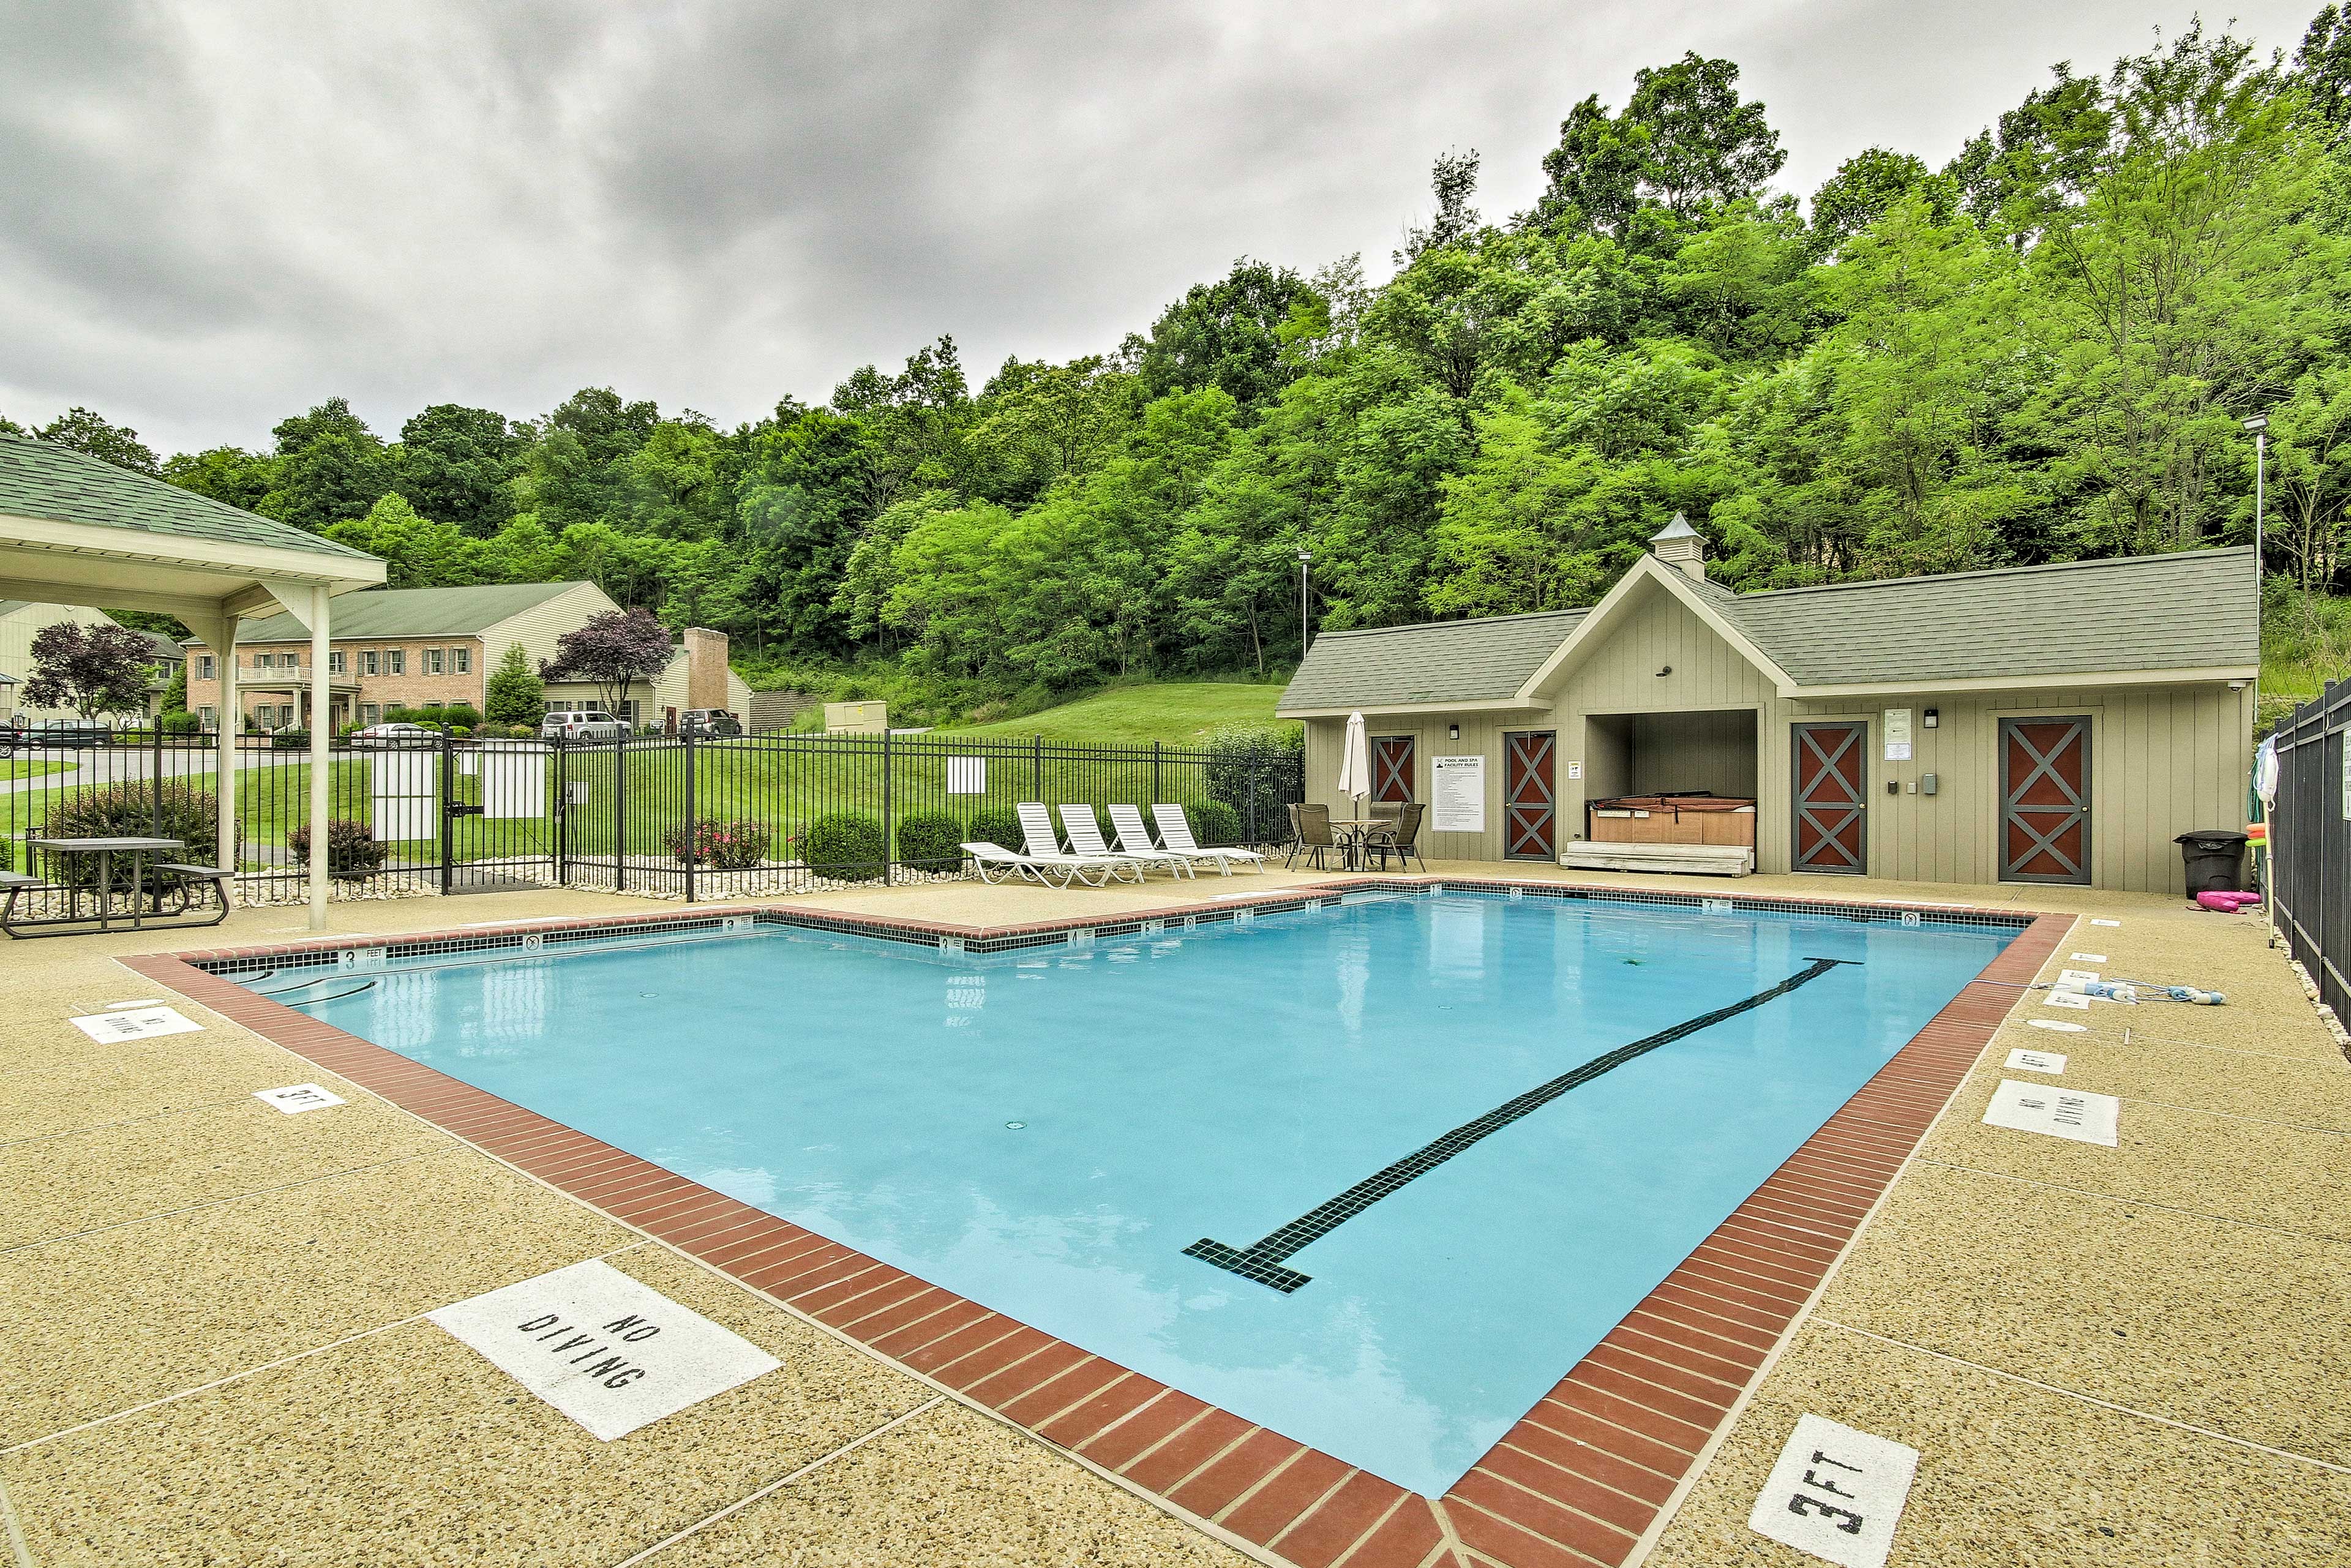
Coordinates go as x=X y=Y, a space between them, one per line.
x=1355 y=761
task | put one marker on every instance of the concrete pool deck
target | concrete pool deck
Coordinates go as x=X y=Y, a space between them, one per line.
x=212 y=1349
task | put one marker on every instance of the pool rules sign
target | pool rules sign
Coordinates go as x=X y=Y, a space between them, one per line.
x=610 y=1353
x=1835 y=1493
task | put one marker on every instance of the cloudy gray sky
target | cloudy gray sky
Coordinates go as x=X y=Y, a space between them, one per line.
x=212 y=215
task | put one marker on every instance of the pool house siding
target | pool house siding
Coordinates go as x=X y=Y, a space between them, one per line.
x=2168 y=751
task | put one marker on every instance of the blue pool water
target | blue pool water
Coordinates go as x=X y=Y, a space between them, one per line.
x=1045 y=1131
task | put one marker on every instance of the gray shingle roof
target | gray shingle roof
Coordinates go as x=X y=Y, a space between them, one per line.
x=1441 y=662
x=411 y=613
x=2193 y=610
x=2190 y=611
x=57 y=484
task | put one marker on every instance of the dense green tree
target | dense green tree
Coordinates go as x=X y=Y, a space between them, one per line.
x=226 y=474
x=87 y=430
x=454 y=464
x=418 y=551
x=329 y=469
x=1868 y=183
x=1685 y=141
x=2322 y=68
x=1226 y=335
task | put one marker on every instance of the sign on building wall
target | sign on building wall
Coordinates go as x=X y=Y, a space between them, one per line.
x=1897 y=733
x=1459 y=784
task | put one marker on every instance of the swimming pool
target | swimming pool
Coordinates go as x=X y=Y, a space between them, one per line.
x=1335 y=1171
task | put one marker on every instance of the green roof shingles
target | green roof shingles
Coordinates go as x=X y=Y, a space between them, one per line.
x=1439 y=662
x=57 y=484
x=411 y=613
x=2190 y=611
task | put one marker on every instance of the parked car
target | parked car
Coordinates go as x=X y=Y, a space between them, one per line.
x=66 y=732
x=582 y=724
x=394 y=735
x=707 y=722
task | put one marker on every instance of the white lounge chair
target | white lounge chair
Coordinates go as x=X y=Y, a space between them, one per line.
x=999 y=864
x=1086 y=839
x=1134 y=838
x=1094 y=871
x=1176 y=832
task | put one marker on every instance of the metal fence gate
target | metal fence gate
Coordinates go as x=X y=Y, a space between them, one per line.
x=766 y=813
x=2310 y=843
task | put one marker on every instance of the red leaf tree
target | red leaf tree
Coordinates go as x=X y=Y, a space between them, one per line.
x=612 y=651
x=89 y=669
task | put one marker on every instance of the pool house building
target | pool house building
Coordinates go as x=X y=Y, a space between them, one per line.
x=2052 y=723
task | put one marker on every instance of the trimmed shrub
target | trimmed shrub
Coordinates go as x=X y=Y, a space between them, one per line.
x=994 y=826
x=130 y=812
x=846 y=845
x=289 y=740
x=352 y=851
x=1215 y=825
x=462 y=716
x=931 y=841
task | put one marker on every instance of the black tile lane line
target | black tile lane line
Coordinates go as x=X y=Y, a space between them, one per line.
x=1263 y=1260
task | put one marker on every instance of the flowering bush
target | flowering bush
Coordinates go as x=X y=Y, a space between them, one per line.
x=728 y=846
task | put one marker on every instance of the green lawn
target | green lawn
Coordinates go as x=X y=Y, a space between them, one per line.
x=1181 y=712
x=12 y=768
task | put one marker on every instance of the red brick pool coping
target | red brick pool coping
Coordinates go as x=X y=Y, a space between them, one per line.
x=1577 y=1481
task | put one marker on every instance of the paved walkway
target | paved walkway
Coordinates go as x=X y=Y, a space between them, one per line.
x=211 y=1349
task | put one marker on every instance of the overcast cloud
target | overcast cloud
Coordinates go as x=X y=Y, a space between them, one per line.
x=216 y=216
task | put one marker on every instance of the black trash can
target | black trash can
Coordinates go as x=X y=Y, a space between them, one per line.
x=2216 y=860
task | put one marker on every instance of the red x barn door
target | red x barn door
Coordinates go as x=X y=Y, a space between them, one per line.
x=1832 y=798
x=2045 y=800
x=1529 y=797
x=1391 y=767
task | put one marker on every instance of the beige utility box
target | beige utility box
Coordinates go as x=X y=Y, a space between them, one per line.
x=856 y=718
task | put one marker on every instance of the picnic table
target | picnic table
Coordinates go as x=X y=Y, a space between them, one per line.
x=147 y=896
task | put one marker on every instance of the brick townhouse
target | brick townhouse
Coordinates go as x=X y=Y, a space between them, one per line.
x=427 y=647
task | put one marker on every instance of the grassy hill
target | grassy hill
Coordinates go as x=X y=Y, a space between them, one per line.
x=1176 y=712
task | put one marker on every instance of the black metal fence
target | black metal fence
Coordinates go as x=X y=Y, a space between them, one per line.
x=674 y=817
x=2310 y=843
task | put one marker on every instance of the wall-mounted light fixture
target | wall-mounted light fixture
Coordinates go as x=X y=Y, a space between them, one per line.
x=1666 y=670
x=1934 y=716
x=1452 y=732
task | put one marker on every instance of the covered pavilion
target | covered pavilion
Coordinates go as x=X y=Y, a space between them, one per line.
x=77 y=530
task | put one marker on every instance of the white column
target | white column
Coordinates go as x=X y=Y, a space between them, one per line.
x=322 y=730
x=229 y=720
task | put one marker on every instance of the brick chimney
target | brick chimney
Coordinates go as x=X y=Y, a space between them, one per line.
x=1678 y=544
x=705 y=667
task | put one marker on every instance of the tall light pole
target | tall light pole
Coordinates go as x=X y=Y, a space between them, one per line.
x=1305 y=560
x=2260 y=425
